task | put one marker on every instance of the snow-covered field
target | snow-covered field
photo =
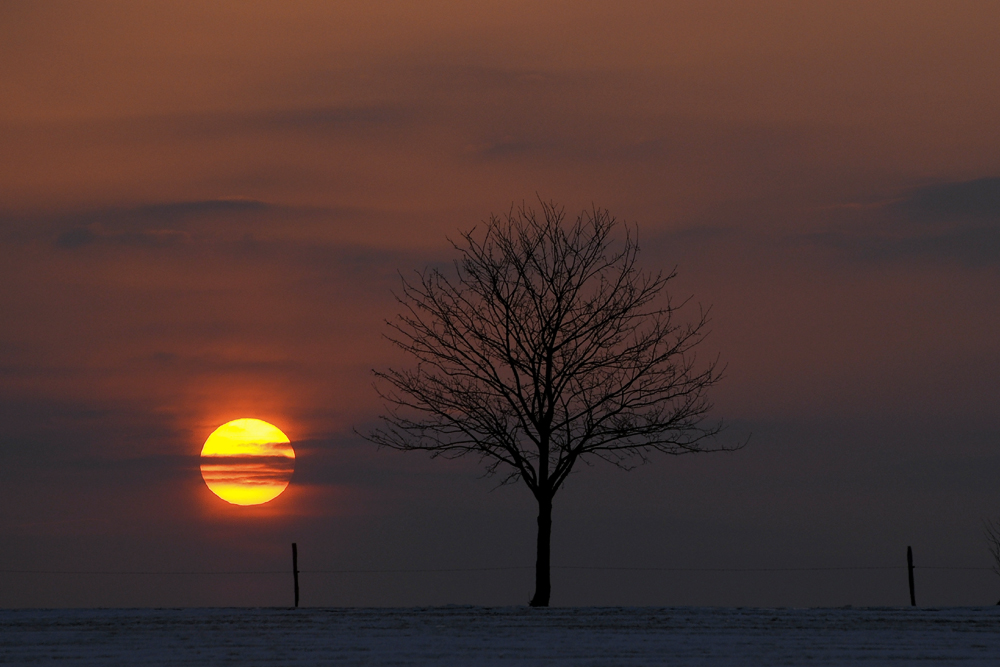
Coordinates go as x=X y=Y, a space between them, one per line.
x=497 y=636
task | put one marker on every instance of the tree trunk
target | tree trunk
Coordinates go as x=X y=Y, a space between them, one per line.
x=543 y=585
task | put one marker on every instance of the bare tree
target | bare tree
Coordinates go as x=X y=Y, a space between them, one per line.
x=991 y=531
x=546 y=346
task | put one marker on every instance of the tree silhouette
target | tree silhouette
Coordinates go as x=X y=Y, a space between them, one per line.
x=991 y=531
x=546 y=346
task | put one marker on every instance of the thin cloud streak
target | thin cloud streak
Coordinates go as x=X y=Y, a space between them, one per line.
x=957 y=222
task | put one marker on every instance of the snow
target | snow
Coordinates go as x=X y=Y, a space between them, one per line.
x=501 y=636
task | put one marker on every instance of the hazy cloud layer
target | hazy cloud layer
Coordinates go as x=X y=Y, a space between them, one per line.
x=965 y=201
x=953 y=222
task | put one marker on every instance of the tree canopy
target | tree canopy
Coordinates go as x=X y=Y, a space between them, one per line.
x=546 y=345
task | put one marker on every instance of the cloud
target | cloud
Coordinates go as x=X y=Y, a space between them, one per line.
x=318 y=243
x=320 y=120
x=969 y=246
x=76 y=237
x=81 y=236
x=167 y=213
x=151 y=225
x=49 y=431
x=952 y=222
x=331 y=118
x=960 y=202
x=173 y=211
x=157 y=224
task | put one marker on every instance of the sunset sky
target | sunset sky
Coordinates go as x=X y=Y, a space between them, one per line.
x=204 y=208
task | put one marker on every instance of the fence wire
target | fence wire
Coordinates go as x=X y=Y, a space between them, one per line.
x=597 y=568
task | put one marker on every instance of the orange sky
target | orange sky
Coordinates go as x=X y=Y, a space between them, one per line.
x=203 y=210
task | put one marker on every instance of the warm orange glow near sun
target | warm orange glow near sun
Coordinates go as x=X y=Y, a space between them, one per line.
x=247 y=462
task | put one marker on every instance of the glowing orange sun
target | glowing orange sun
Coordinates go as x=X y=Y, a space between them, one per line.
x=247 y=462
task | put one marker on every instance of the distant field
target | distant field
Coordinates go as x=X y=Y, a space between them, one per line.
x=498 y=636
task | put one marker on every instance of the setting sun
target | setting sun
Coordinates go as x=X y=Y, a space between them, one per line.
x=247 y=462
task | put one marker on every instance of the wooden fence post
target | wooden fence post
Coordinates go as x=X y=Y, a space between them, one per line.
x=295 y=572
x=909 y=566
